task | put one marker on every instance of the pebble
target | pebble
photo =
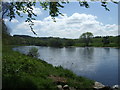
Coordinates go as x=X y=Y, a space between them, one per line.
x=98 y=85
x=65 y=87
x=59 y=87
x=115 y=87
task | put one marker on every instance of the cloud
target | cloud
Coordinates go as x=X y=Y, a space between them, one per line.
x=13 y=20
x=70 y=26
x=35 y=10
x=6 y=20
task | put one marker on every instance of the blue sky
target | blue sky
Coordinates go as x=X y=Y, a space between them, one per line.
x=76 y=20
x=95 y=9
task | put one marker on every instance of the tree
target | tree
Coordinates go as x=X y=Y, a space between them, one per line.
x=105 y=40
x=55 y=42
x=69 y=42
x=6 y=38
x=86 y=37
x=12 y=9
x=33 y=52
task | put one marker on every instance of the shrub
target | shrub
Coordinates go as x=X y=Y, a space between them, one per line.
x=33 y=52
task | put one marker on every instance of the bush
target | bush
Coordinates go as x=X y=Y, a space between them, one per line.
x=55 y=43
x=33 y=52
x=23 y=72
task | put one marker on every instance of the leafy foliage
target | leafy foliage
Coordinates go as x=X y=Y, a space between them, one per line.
x=6 y=38
x=69 y=42
x=24 y=72
x=15 y=8
x=55 y=42
x=86 y=38
x=98 y=41
x=105 y=41
x=33 y=52
x=63 y=42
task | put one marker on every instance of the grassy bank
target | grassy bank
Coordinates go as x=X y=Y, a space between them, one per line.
x=21 y=71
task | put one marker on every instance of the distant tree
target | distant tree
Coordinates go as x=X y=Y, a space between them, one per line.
x=5 y=28
x=69 y=42
x=97 y=37
x=86 y=37
x=6 y=37
x=33 y=52
x=105 y=40
x=55 y=42
x=118 y=40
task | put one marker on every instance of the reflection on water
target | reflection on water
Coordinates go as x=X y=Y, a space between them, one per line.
x=107 y=50
x=87 y=54
x=100 y=64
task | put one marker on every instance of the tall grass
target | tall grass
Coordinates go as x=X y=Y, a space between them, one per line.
x=33 y=52
x=24 y=72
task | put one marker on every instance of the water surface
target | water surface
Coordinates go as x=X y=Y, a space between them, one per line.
x=100 y=64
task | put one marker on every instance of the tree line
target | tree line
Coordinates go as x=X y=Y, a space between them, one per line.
x=86 y=39
x=89 y=41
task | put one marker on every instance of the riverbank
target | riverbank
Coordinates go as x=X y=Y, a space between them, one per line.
x=63 y=42
x=21 y=71
x=92 y=47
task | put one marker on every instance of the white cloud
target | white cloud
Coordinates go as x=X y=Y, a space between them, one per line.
x=6 y=20
x=13 y=20
x=35 y=10
x=70 y=26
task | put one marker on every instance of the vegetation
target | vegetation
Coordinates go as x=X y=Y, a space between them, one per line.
x=86 y=38
x=33 y=52
x=106 y=41
x=13 y=9
x=21 y=71
x=55 y=42
x=97 y=41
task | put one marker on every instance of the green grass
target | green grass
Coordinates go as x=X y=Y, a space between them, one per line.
x=21 y=71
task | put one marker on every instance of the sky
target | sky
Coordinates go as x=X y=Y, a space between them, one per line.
x=76 y=20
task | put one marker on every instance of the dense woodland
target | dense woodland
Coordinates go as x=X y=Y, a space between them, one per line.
x=98 y=41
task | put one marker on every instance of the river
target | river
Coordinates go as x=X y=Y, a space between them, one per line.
x=100 y=64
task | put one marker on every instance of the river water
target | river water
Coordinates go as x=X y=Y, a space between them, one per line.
x=100 y=64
